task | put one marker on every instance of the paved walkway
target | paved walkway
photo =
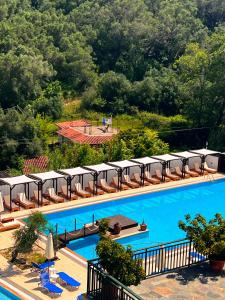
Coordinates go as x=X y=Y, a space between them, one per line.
x=195 y=283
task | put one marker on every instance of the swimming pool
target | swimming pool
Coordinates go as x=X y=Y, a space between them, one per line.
x=7 y=295
x=160 y=210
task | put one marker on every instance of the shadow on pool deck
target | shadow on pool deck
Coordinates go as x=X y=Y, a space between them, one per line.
x=195 y=283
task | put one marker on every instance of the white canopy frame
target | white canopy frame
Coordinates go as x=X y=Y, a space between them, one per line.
x=146 y=163
x=97 y=170
x=185 y=156
x=44 y=177
x=123 y=166
x=203 y=153
x=71 y=174
x=12 y=182
x=165 y=161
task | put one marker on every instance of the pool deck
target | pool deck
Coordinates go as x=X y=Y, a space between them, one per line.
x=28 y=281
x=194 y=283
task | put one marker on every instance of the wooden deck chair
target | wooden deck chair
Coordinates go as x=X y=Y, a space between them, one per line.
x=191 y=173
x=178 y=172
x=80 y=192
x=158 y=175
x=42 y=200
x=92 y=188
x=6 y=203
x=105 y=187
x=22 y=200
x=151 y=179
x=9 y=226
x=127 y=181
x=198 y=170
x=137 y=178
x=63 y=192
x=54 y=197
x=209 y=170
x=115 y=183
x=170 y=175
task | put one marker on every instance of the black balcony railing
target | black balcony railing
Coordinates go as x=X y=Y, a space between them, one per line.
x=155 y=260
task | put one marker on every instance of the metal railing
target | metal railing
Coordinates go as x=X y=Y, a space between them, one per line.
x=155 y=260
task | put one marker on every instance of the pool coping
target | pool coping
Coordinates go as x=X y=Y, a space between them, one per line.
x=15 y=290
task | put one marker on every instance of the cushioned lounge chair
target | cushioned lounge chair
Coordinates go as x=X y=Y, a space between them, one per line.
x=198 y=170
x=137 y=178
x=9 y=226
x=105 y=187
x=22 y=200
x=170 y=175
x=191 y=173
x=43 y=266
x=158 y=175
x=54 y=197
x=48 y=286
x=68 y=280
x=151 y=179
x=80 y=192
x=42 y=200
x=209 y=170
x=92 y=188
x=115 y=183
x=6 y=202
x=129 y=182
x=178 y=172
x=66 y=195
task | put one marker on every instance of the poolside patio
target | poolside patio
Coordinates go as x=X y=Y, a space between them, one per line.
x=194 y=283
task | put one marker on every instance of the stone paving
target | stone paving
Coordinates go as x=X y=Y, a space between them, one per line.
x=194 y=283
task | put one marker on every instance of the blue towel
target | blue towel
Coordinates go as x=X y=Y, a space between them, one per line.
x=68 y=280
x=52 y=288
x=198 y=256
x=44 y=265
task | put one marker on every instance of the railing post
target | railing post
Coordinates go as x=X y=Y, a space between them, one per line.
x=189 y=251
x=146 y=256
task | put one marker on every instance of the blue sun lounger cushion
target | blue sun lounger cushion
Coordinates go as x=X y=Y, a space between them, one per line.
x=43 y=266
x=68 y=280
x=79 y=297
x=51 y=288
x=197 y=256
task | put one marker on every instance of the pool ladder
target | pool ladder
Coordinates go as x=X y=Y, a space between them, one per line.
x=210 y=177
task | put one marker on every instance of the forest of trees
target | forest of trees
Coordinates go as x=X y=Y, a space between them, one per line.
x=165 y=57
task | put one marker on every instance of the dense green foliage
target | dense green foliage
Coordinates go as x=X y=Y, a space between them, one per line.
x=130 y=57
x=208 y=236
x=119 y=262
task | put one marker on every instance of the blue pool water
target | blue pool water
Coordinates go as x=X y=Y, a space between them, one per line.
x=6 y=295
x=160 y=210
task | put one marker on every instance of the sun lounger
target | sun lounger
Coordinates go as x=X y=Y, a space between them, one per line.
x=79 y=297
x=50 y=287
x=80 y=192
x=68 y=280
x=105 y=187
x=137 y=178
x=198 y=170
x=197 y=256
x=9 y=226
x=6 y=202
x=170 y=175
x=127 y=181
x=209 y=170
x=22 y=200
x=42 y=200
x=191 y=173
x=151 y=179
x=43 y=266
x=158 y=175
x=92 y=188
x=67 y=195
x=178 y=172
x=54 y=197
x=115 y=183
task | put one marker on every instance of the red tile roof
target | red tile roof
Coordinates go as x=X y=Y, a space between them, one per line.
x=81 y=138
x=38 y=163
x=77 y=123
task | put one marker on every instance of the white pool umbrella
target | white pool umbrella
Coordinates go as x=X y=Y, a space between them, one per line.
x=1 y=205
x=49 y=251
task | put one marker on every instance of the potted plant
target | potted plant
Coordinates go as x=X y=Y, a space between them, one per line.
x=116 y=228
x=208 y=238
x=143 y=226
x=103 y=226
